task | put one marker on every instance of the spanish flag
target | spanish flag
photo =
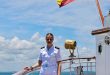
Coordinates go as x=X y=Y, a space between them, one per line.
x=63 y=2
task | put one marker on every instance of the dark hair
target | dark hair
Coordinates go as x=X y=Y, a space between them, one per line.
x=50 y=34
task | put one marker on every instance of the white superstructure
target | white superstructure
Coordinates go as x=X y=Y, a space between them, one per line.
x=103 y=48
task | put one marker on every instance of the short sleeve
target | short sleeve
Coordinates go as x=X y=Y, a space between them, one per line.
x=58 y=55
x=40 y=56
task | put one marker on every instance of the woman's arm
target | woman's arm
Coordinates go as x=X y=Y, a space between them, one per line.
x=37 y=65
x=59 y=68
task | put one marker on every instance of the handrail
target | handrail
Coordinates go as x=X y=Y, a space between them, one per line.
x=89 y=64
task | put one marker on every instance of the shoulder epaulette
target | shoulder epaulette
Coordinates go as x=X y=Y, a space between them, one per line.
x=57 y=47
x=42 y=47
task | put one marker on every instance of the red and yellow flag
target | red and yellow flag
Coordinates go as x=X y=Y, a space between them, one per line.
x=63 y=2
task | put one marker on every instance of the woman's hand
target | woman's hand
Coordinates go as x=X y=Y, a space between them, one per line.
x=28 y=68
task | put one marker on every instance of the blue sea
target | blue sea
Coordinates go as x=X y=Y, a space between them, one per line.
x=37 y=73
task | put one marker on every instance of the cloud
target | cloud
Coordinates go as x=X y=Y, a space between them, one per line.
x=25 y=52
x=35 y=37
x=58 y=40
x=31 y=12
x=6 y=57
x=19 y=44
x=16 y=50
x=15 y=47
x=86 y=52
x=2 y=39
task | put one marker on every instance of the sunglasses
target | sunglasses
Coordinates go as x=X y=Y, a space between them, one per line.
x=50 y=39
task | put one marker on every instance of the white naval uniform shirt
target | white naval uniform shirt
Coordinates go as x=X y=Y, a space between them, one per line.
x=49 y=60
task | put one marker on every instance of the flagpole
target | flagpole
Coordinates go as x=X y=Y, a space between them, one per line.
x=100 y=12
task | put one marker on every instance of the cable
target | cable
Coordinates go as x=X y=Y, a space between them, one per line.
x=79 y=62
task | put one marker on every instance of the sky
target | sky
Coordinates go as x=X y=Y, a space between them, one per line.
x=24 y=24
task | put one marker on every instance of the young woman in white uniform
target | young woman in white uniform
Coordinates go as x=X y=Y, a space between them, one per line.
x=49 y=58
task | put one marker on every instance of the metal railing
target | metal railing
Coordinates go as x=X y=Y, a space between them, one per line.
x=86 y=66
